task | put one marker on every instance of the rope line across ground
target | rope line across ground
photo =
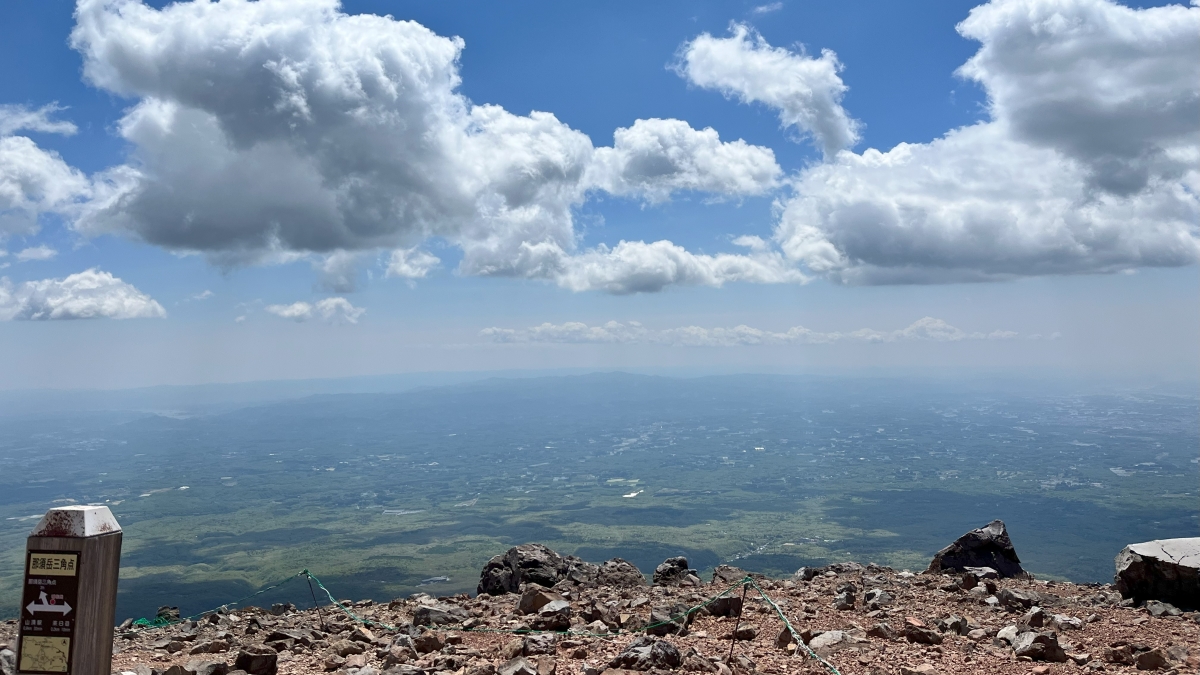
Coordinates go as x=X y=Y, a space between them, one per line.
x=162 y=621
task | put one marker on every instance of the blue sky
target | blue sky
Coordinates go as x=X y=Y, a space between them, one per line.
x=1032 y=222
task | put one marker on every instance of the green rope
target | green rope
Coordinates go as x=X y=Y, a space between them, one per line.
x=792 y=630
x=162 y=621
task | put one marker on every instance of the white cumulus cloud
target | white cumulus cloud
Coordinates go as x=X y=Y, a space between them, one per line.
x=1089 y=163
x=411 y=263
x=91 y=294
x=806 y=91
x=332 y=310
x=287 y=126
x=632 y=332
x=41 y=252
x=33 y=180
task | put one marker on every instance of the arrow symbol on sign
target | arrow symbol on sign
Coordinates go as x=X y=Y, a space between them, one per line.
x=63 y=609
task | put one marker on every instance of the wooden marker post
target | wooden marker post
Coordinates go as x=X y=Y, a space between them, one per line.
x=69 y=595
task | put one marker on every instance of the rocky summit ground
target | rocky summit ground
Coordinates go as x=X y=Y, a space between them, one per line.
x=861 y=619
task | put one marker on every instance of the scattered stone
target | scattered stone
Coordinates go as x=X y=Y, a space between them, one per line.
x=347 y=648
x=671 y=620
x=883 y=631
x=8 y=662
x=786 y=641
x=1034 y=618
x=1063 y=622
x=877 y=598
x=833 y=641
x=923 y=669
x=430 y=641
x=1008 y=634
x=916 y=631
x=439 y=614
x=645 y=653
x=1155 y=659
x=988 y=546
x=534 y=598
x=1015 y=598
x=726 y=605
x=1161 y=609
x=257 y=661
x=555 y=615
x=1039 y=646
x=545 y=643
x=745 y=632
x=518 y=666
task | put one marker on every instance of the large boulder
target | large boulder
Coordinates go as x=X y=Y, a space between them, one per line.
x=672 y=572
x=527 y=563
x=988 y=546
x=1165 y=569
x=619 y=573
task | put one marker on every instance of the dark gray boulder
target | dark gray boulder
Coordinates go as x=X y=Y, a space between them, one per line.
x=988 y=546
x=619 y=573
x=1165 y=569
x=672 y=572
x=645 y=653
x=527 y=563
x=257 y=661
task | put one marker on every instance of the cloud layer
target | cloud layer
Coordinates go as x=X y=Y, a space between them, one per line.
x=633 y=332
x=329 y=310
x=34 y=181
x=91 y=294
x=805 y=91
x=1090 y=161
x=288 y=127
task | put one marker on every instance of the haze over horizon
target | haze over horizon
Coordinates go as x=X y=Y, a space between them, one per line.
x=206 y=192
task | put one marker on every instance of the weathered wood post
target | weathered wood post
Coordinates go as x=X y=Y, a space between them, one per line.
x=69 y=596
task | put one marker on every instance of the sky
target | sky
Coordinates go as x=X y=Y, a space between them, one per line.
x=234 y=191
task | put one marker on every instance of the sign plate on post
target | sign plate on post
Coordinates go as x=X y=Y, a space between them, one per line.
x=48 y=612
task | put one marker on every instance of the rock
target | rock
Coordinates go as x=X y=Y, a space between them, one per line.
x=347 y=648
x=527 y=563
x=672 y=571
x=921 y=634
x=483 y=668
x=1154 y=659
x=645 y=653
x=786 y=641
x=439 y=614
x=618 y=573
x=834 y=641
x=954 y=624
x=1120 y=654
x=209 y=647
x=534 y=598
x=167 y=614
x=988 y=546
x=671 y=620
x=1034 y=618
x=1014 y=598
x=1164 y=569
x=1080 y=658
x=807 y=573
x=727 y=575
x=518 y=666
x=843 y=601
x=726 y=605
x=883 y=631
x=923 y=669
x=1008 y=634
x=430 y=641
x=877 y=598
x=982 y=572
x=1160 y=609
x=539 y=644
x=1039 y=646
x=1062 y=622
x=745 y=632
x=257 y=661
x=977 y=634
x=547 y=666
x=8 y=662
x=554 y=615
